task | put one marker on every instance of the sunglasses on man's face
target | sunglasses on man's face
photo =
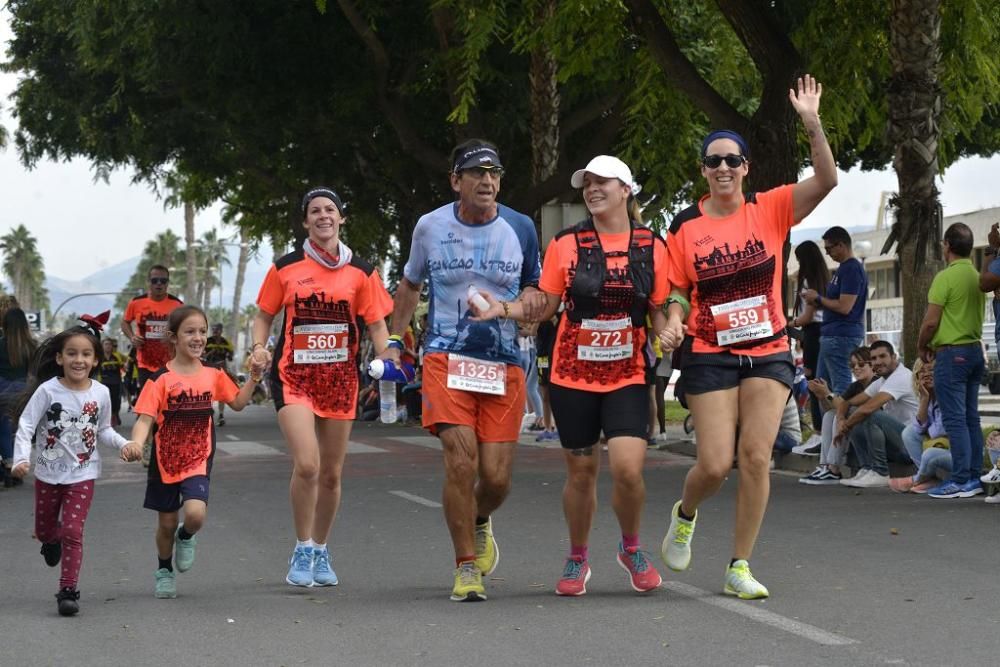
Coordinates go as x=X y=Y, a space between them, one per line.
x=159 y=281
x=732 y=161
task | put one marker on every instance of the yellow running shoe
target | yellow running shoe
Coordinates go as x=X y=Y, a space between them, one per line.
x=487 y=552
x=740 y=582
x=468 y=584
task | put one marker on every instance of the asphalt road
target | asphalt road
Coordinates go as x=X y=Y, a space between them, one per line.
x=856 y=577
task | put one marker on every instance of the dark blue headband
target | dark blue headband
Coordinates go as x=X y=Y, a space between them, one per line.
x=725 y=134
x=322 y=192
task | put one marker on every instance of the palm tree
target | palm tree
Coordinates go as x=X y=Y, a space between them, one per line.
x=190 y=253
x=213 y=251
x=24 y=267
x=914 y=96
x=164 y=249
x=241 y=272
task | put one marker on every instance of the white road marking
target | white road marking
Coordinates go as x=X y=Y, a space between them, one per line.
x=231 y=436
x=361 y=448
x=804 y=630
x=428 y=441
x=415 y=499
x=247 y=448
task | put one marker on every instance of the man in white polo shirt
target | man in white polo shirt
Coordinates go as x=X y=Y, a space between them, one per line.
x=875 y=428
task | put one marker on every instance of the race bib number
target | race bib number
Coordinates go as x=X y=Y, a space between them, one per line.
x=319 y=343
x=476 y=375
x=605 y=340
x=156 y=329
x=543 y=362
x=742 y=321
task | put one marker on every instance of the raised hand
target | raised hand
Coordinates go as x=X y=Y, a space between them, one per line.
x=805 y=98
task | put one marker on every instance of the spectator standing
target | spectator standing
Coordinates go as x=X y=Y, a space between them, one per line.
x=17 y=346
x=951 y=333
x=813 y=273
x=883 y=411
x=843 y=310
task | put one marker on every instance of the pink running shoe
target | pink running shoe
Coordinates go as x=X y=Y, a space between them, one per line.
x=641 y=573
x=575 y=576
x=924 y=487
x=901 y=484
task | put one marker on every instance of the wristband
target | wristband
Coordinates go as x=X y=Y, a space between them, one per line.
x=395 y=342
x=506 y=310
x=681 y=301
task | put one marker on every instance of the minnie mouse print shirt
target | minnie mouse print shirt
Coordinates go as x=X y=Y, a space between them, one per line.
x=66 y=427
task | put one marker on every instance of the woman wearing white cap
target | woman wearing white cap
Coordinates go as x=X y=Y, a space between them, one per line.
x=610 y=272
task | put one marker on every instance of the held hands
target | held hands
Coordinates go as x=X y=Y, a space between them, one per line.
x=533 y=303
x=805 y=100
x=21 y=469
x=672 y=335
x=132 y=451
x=260 y=358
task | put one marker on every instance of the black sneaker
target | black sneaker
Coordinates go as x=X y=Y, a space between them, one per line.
x=67 y=600
x=51 y=552
x=821 y=478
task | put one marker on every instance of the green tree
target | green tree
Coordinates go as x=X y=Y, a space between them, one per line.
x=164 y=250
x=24 y=267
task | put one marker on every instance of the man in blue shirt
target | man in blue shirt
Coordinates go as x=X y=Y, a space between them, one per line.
x=473 y=385
x=844 y=304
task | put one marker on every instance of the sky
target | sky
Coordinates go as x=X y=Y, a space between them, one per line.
x=83 y=225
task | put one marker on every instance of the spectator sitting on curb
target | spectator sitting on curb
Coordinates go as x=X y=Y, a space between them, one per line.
x=833 y=451
x=876 y=427
x=790 y=431
x=934 y=460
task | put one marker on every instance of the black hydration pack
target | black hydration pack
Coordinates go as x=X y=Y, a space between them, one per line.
x=592 y=267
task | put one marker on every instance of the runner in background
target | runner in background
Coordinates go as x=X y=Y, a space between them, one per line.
x=112 y=368
x=218 y=354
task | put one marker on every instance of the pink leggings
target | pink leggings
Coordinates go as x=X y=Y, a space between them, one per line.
x=73 y=501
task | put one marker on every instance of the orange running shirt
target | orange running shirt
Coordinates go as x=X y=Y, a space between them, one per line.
x=184 y=443
x=315 y=353
x=149 y=319
x=568 y=368
x=735 y=265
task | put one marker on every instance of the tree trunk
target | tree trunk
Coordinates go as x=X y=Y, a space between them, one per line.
x=189 y=254
x=914 y=97
x=543 y=77
x=241 y=271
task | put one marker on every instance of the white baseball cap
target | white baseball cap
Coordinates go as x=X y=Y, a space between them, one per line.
x=606 y=166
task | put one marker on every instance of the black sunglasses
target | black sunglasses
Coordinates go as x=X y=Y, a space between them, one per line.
x=732 y=161
x=479 y=173
x=159 y=281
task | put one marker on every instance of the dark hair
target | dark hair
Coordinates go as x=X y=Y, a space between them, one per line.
x=959 y=238
x=157 y=267
x=20 y=343
x=837 y=235
x=44 y=365
x=883 y=343
x=180 y=314
x=812 y=266
x=862 y=353
x=458 y=150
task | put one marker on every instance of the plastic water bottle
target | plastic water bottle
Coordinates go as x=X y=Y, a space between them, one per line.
x=386 y=392
x=477 y=299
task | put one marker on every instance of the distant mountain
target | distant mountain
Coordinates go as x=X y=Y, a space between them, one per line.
x=114 y=278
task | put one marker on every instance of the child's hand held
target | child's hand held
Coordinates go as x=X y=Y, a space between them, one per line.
x=20 y=470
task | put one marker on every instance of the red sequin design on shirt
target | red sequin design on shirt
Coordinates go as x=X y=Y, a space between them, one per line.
x=331 y=387
x=183 y=440
x=617 y=295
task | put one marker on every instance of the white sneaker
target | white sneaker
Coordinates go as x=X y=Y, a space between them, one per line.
x=873 y=480
x=995 y=498
x=676 y=547
x=992 y=477
x=810 y=447
x=858 y=478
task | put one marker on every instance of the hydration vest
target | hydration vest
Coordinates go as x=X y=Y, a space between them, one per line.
x=592 y=267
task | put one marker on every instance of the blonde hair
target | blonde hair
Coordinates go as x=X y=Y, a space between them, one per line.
x=634 y=210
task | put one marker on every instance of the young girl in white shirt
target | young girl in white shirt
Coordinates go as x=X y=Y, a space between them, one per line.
x=65 y=418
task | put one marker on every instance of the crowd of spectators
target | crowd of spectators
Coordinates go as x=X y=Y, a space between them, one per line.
x=913 y=431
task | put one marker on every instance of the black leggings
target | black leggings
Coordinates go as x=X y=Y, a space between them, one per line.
x=116 y=399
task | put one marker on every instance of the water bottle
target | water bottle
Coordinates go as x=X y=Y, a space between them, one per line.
x=386 y=391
